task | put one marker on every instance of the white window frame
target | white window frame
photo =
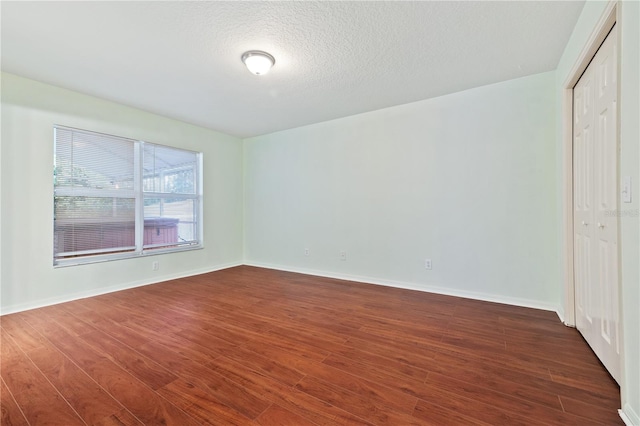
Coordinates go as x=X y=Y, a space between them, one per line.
x=138 y=193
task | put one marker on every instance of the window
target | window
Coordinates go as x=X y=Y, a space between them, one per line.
x=116 y=197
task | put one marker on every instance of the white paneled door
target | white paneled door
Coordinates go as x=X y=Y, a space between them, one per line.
x=595 y=156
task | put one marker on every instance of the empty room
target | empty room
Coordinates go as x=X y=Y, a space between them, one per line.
x=320 y=213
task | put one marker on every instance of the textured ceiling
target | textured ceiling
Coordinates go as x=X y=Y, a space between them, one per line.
x=333 y=59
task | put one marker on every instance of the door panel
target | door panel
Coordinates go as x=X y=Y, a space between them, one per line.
x=595 y=203
x=588 y=282
x=583 y=214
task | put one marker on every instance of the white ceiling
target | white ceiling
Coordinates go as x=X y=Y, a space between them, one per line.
x=333 y=59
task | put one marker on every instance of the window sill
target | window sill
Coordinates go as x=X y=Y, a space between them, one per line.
x=63 y=263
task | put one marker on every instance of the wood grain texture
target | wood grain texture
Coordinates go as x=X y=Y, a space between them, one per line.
x=11 y=413
x=278 y=416
x=250 y=346
x=39 y=400
x=84 y=395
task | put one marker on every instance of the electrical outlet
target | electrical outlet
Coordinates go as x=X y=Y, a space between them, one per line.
x=307 y=252
x=343 y=255
x=155 y=265
x=427 y=264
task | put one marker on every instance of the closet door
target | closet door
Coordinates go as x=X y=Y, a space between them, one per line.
x=595 y=205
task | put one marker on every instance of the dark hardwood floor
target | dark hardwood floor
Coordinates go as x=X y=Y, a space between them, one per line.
x=254 y=346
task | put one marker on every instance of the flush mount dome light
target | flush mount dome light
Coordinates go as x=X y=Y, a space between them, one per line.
x=258 y=62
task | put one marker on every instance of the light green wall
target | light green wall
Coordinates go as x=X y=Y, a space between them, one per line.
x=629 y=27
x=29 y=111
x=467 y=179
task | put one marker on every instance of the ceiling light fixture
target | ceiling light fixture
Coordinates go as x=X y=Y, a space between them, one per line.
x=258 y=62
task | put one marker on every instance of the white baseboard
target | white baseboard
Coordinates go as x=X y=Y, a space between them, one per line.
x=428 y=288
x=104 y=290
x=628 y=416
x=562 y=319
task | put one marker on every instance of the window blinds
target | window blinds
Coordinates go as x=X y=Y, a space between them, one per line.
x=94 y=193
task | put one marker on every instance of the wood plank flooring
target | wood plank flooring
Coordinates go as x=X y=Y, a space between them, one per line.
x=255 y=346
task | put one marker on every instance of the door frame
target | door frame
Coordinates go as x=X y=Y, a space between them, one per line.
x=607 y=20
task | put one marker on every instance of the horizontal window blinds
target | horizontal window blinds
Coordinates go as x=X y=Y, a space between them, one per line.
x=94 y=202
